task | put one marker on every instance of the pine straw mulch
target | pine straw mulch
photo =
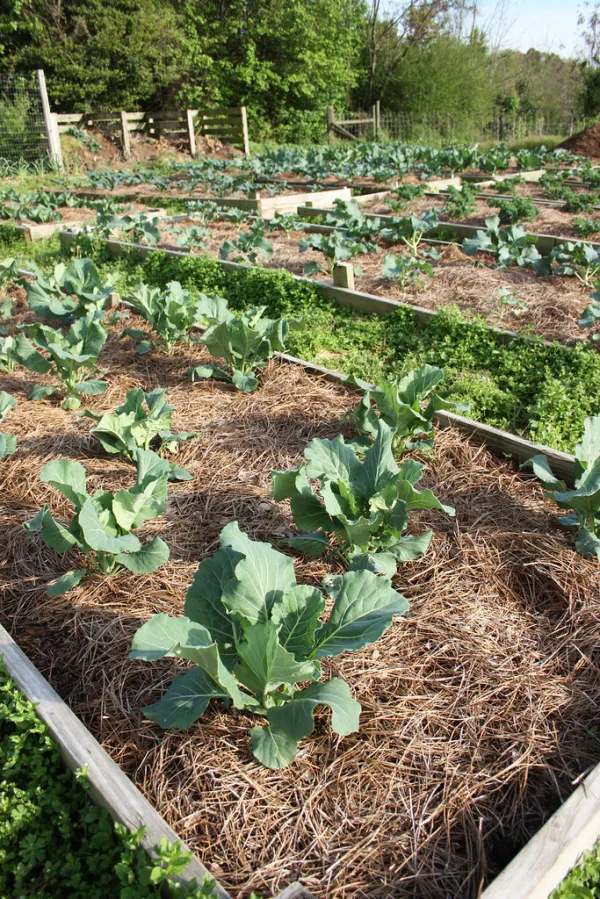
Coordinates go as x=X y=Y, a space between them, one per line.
x=478 y=708
x=554 y=304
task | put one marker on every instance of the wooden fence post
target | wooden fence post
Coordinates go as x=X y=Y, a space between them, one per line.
x=126 y=135
x=374 y=110
x=377 y=118
x=191 y=134
x=54 y=148
x=343 y=275
x=330 y=123
x=245 y=131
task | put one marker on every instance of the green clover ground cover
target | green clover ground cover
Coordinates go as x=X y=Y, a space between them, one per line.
x=54 y=841
x=583 y=882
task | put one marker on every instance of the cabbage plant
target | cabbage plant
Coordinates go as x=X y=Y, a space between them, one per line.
x=143 y=421
x=102 y=524
x=8 y=443
x=584 y=500
x=255 y=636
x=245 y=341
x=363 y=504
x=401 y=405
x=70 y=292
x=70 y=358
x=172 y=313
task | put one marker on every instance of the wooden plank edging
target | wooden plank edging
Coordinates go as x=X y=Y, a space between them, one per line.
x=555 y=849
x=109 y=785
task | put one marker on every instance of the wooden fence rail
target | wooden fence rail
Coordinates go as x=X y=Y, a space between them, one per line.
x=229 y=124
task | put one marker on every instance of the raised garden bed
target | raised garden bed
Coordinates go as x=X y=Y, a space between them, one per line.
x=550 y=306
x=482 y=690
x=498 y=382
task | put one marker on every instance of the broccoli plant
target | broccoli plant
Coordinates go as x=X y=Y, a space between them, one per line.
x=142 y=422
x=592 y=312
x=256 y=636
x=71 y=358
x=409 y=270
x=349 y=217
x=509 y=245
x=252 y=246
x=364 y=505
x=578 y=260
x=403 y=194
x=508 y=185
x=138 y=227
x=335 y=247
x=8 y=443
x=284 y=221
x=410 y=230
x=584 y=500
x=196 y=237
x=72 y=291
x=102 y=525
x=246 y=342
x=10 y=354
x=576 y=201
x=519 y=209
x=400 y=403
x=172 y=313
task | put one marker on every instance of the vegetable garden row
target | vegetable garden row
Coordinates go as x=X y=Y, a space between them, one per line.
x=350 y=555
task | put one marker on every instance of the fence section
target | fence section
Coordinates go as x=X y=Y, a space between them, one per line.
x=180 y=126
x=23 y=132
x=438 y=129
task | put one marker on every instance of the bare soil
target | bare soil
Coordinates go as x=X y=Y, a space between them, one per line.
x=477 y=707
x=584 y=143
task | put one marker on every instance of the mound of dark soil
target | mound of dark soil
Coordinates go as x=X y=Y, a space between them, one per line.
x=584 y=143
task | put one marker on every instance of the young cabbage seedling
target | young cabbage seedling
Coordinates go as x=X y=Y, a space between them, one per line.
x=364 y=505
x=72 y=291
x=246 y=342
x=584 y=500
x=400 y=403
x=138 y=227
x=256 y=637
x=102 y=525
x=142 y=422
x=252 y=246
x=172 y=313
x=8 y=443
x=509 y=245
x=409 y=269
x=70 y=358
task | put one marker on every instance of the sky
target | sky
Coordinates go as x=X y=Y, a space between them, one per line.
x=549 y=25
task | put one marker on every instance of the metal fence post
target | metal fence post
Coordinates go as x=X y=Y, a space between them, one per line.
x=330 y=123
x=54 y=148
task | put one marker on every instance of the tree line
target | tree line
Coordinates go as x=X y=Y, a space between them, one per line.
x=286 y=60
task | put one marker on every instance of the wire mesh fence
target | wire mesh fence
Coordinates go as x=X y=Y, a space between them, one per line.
x=23 y=136
x=440 y=129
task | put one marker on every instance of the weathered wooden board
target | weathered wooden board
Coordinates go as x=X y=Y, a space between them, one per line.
x=109 y=786
x=295 y=891
x=549 y=856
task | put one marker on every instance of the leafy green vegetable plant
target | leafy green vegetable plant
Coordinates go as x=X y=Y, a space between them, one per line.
x=365 y=505
x=172 y=313
x=246 y=342
x=335 y=247
x=70 y=358
x=519 y=209
x=70 y=292
x=8 y=443
x=577 y=260
x=9 y=353
x=252 y=246
x=404 y=194
x=410 y=230
x=584 y=500
x=255 y=636
x=102 y=525
x=284 y=221
x=142 y=422
x=509 y=245
x=196 y=237
x=409 y=270
x=460 y=203
x=583 y=881
x=138 y=227
x=585 y=227
x=400 y=403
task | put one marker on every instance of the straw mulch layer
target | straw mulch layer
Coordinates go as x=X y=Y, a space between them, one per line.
x=553 y=304
x=478 y=709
